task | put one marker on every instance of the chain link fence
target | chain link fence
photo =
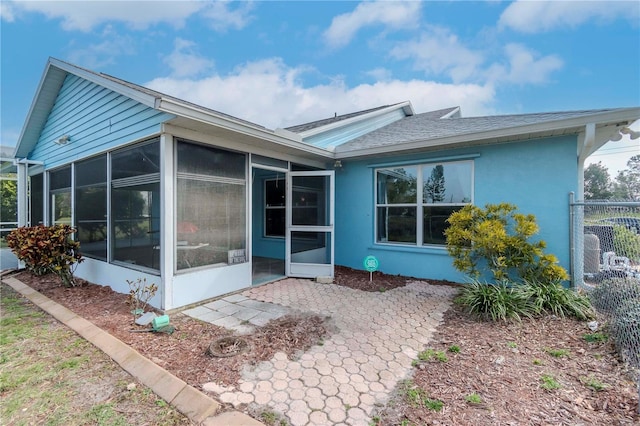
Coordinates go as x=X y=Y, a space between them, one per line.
x=606 y=265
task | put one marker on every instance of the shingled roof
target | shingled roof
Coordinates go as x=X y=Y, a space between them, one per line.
x=325 y=121
x=428 y=129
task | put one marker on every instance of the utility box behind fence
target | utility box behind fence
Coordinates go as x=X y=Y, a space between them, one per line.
x=591 y=254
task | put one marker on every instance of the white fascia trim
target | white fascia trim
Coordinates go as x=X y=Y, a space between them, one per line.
x=25 y=161
x=34 y=102
x=137 y=95
x=622 y=116
x=405 y=106
x=197 y=114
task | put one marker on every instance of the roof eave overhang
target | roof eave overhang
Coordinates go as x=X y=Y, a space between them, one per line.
x=192 y=112
x=138 y=96
x=44 y=100
x=615 y=118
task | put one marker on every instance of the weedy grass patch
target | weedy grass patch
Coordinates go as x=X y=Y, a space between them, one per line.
x=549 y=382
x=46 y=370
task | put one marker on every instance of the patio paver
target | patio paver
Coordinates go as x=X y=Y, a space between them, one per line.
x=341 y=381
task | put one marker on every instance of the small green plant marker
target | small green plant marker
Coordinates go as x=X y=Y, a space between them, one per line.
x=512 y=345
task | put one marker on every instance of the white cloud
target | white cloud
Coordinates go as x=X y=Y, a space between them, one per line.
x=184 y=61
x=439 y=51
x=380 y=74
x=525 y=66
x=96 y=56
x=269 y=93
x=540 y=16
x=223 y=17
x=6 y=12
x=392 y=15
x=86 y=15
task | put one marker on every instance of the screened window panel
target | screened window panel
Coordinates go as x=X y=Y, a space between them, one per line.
x=140 y=160
x=211 y=205
x=135 y=205
x=60 y=178
x=91 y=206
x=36 y=202
x=60 y=196
x=208 y=161
x=308 y=206
x=311 y=247
x=136 y=224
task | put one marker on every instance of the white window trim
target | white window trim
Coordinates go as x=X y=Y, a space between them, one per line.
x=419 y=205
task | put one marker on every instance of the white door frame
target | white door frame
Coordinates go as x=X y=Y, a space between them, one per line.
x=306 y=268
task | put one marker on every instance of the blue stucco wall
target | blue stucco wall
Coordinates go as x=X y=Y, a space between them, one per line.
x=535 y=175
x=96 y=119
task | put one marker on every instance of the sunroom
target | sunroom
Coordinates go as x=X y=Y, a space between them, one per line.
x=194 y=201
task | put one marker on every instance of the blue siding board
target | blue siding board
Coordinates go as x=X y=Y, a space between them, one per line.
x=97 y=119
x=84 y=104
x=536 y=176
x=83 y=113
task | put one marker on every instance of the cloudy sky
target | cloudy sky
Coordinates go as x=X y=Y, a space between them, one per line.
x=279 y=63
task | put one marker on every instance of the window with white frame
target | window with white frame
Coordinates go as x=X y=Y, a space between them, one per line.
x=413 y=202
x=274 y=207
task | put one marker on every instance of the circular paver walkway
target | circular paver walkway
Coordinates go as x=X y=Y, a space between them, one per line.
x=339 y=382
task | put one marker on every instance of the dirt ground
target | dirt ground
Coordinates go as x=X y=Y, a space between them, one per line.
x=494 y=373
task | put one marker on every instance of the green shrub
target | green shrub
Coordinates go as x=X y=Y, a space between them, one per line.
x=504 y=301
x=46 y=249
x=500 y=301
x=553 y=298
x=626 y=243
x=496 y=240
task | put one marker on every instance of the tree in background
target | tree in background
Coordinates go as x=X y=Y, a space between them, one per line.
x=597 y=183
x=627 y=184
